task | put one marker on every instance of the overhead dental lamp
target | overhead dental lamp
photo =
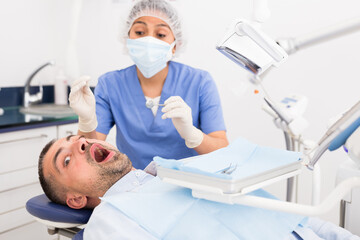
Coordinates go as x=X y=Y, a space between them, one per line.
x=245 y=44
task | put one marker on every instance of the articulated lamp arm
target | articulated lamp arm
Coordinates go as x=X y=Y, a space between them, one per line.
x=292 y=45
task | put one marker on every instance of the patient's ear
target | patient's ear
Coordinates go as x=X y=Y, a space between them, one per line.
x=76 y=201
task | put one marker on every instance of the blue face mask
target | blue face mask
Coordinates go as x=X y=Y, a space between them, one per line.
x=150 y=54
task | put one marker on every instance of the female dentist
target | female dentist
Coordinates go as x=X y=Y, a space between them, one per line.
x=192 y=121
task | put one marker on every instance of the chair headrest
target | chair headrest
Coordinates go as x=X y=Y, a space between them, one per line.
x=41 y=207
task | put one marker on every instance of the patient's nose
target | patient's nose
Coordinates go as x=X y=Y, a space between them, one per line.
x=80 y=145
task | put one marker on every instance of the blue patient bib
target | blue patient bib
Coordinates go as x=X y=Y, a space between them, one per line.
x=170 y=212
x=250 y=159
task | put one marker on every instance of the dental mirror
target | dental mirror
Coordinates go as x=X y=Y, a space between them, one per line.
x=150 y=104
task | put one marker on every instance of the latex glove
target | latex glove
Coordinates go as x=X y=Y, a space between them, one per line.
x=82 y=101
x=180 y=114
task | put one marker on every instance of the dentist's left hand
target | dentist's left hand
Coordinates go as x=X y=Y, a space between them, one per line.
x=82 y=101
x=180 y=114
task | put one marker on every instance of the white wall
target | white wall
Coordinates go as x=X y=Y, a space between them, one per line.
x=37 y=30
x=32 y=33
x=326 y=73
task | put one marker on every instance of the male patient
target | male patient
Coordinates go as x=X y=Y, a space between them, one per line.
x=136 y=205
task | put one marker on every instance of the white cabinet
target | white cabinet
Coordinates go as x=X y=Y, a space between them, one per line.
x=20 y=149
x=19 y=153
x=66 y=130
x=71 y=129
x=19 y=182
x=111 y=137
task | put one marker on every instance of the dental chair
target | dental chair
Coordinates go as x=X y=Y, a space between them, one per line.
x=59 y=219
x=70 y=222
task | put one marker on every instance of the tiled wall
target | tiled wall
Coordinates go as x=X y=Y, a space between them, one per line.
x=13 y=96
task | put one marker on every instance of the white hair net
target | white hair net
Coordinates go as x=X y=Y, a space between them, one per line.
x=160 y=9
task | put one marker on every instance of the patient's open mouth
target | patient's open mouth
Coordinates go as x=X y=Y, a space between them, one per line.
x=100 y=154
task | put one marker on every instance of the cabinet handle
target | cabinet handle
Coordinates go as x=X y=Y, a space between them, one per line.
x=24 y=139
x=18 y=187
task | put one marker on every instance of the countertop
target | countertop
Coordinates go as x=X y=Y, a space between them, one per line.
x=14 y=120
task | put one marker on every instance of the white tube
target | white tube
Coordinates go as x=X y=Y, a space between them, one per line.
x=316 y=186
x=334 y=197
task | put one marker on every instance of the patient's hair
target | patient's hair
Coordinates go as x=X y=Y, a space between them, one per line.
x=52 y=190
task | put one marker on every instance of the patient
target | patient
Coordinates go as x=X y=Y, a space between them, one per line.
x=136 y=205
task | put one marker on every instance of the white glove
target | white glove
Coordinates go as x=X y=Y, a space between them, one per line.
x=180 y=114
x=82 y=101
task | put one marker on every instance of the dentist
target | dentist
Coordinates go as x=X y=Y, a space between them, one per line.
x=191 y=120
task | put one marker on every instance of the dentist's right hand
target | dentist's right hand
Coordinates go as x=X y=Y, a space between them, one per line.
x=82 y=101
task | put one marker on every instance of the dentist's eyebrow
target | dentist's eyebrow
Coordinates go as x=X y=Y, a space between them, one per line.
x=140 y=22
x=58 y=152
x=163 y=25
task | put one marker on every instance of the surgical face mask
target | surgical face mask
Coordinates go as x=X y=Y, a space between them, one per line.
x=150 y=54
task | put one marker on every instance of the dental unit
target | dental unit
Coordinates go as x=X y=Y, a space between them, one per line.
x=226 y=181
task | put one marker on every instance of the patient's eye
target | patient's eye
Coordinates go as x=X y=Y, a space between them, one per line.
x=67 y=160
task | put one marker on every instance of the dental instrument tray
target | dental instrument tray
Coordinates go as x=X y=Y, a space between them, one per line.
x=239 y=168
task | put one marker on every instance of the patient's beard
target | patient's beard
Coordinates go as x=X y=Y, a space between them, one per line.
x=110 y=172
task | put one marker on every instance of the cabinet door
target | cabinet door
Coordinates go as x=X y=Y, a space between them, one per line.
x=67 y=129
x=32 y=230
x=71 y=129
x=19 y=153
x=111 y=137
x=21 y=149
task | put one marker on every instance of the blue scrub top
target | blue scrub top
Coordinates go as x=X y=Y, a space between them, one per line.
x=141 y=136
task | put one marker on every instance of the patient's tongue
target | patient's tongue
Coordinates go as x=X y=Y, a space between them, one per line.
x=99 y=155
